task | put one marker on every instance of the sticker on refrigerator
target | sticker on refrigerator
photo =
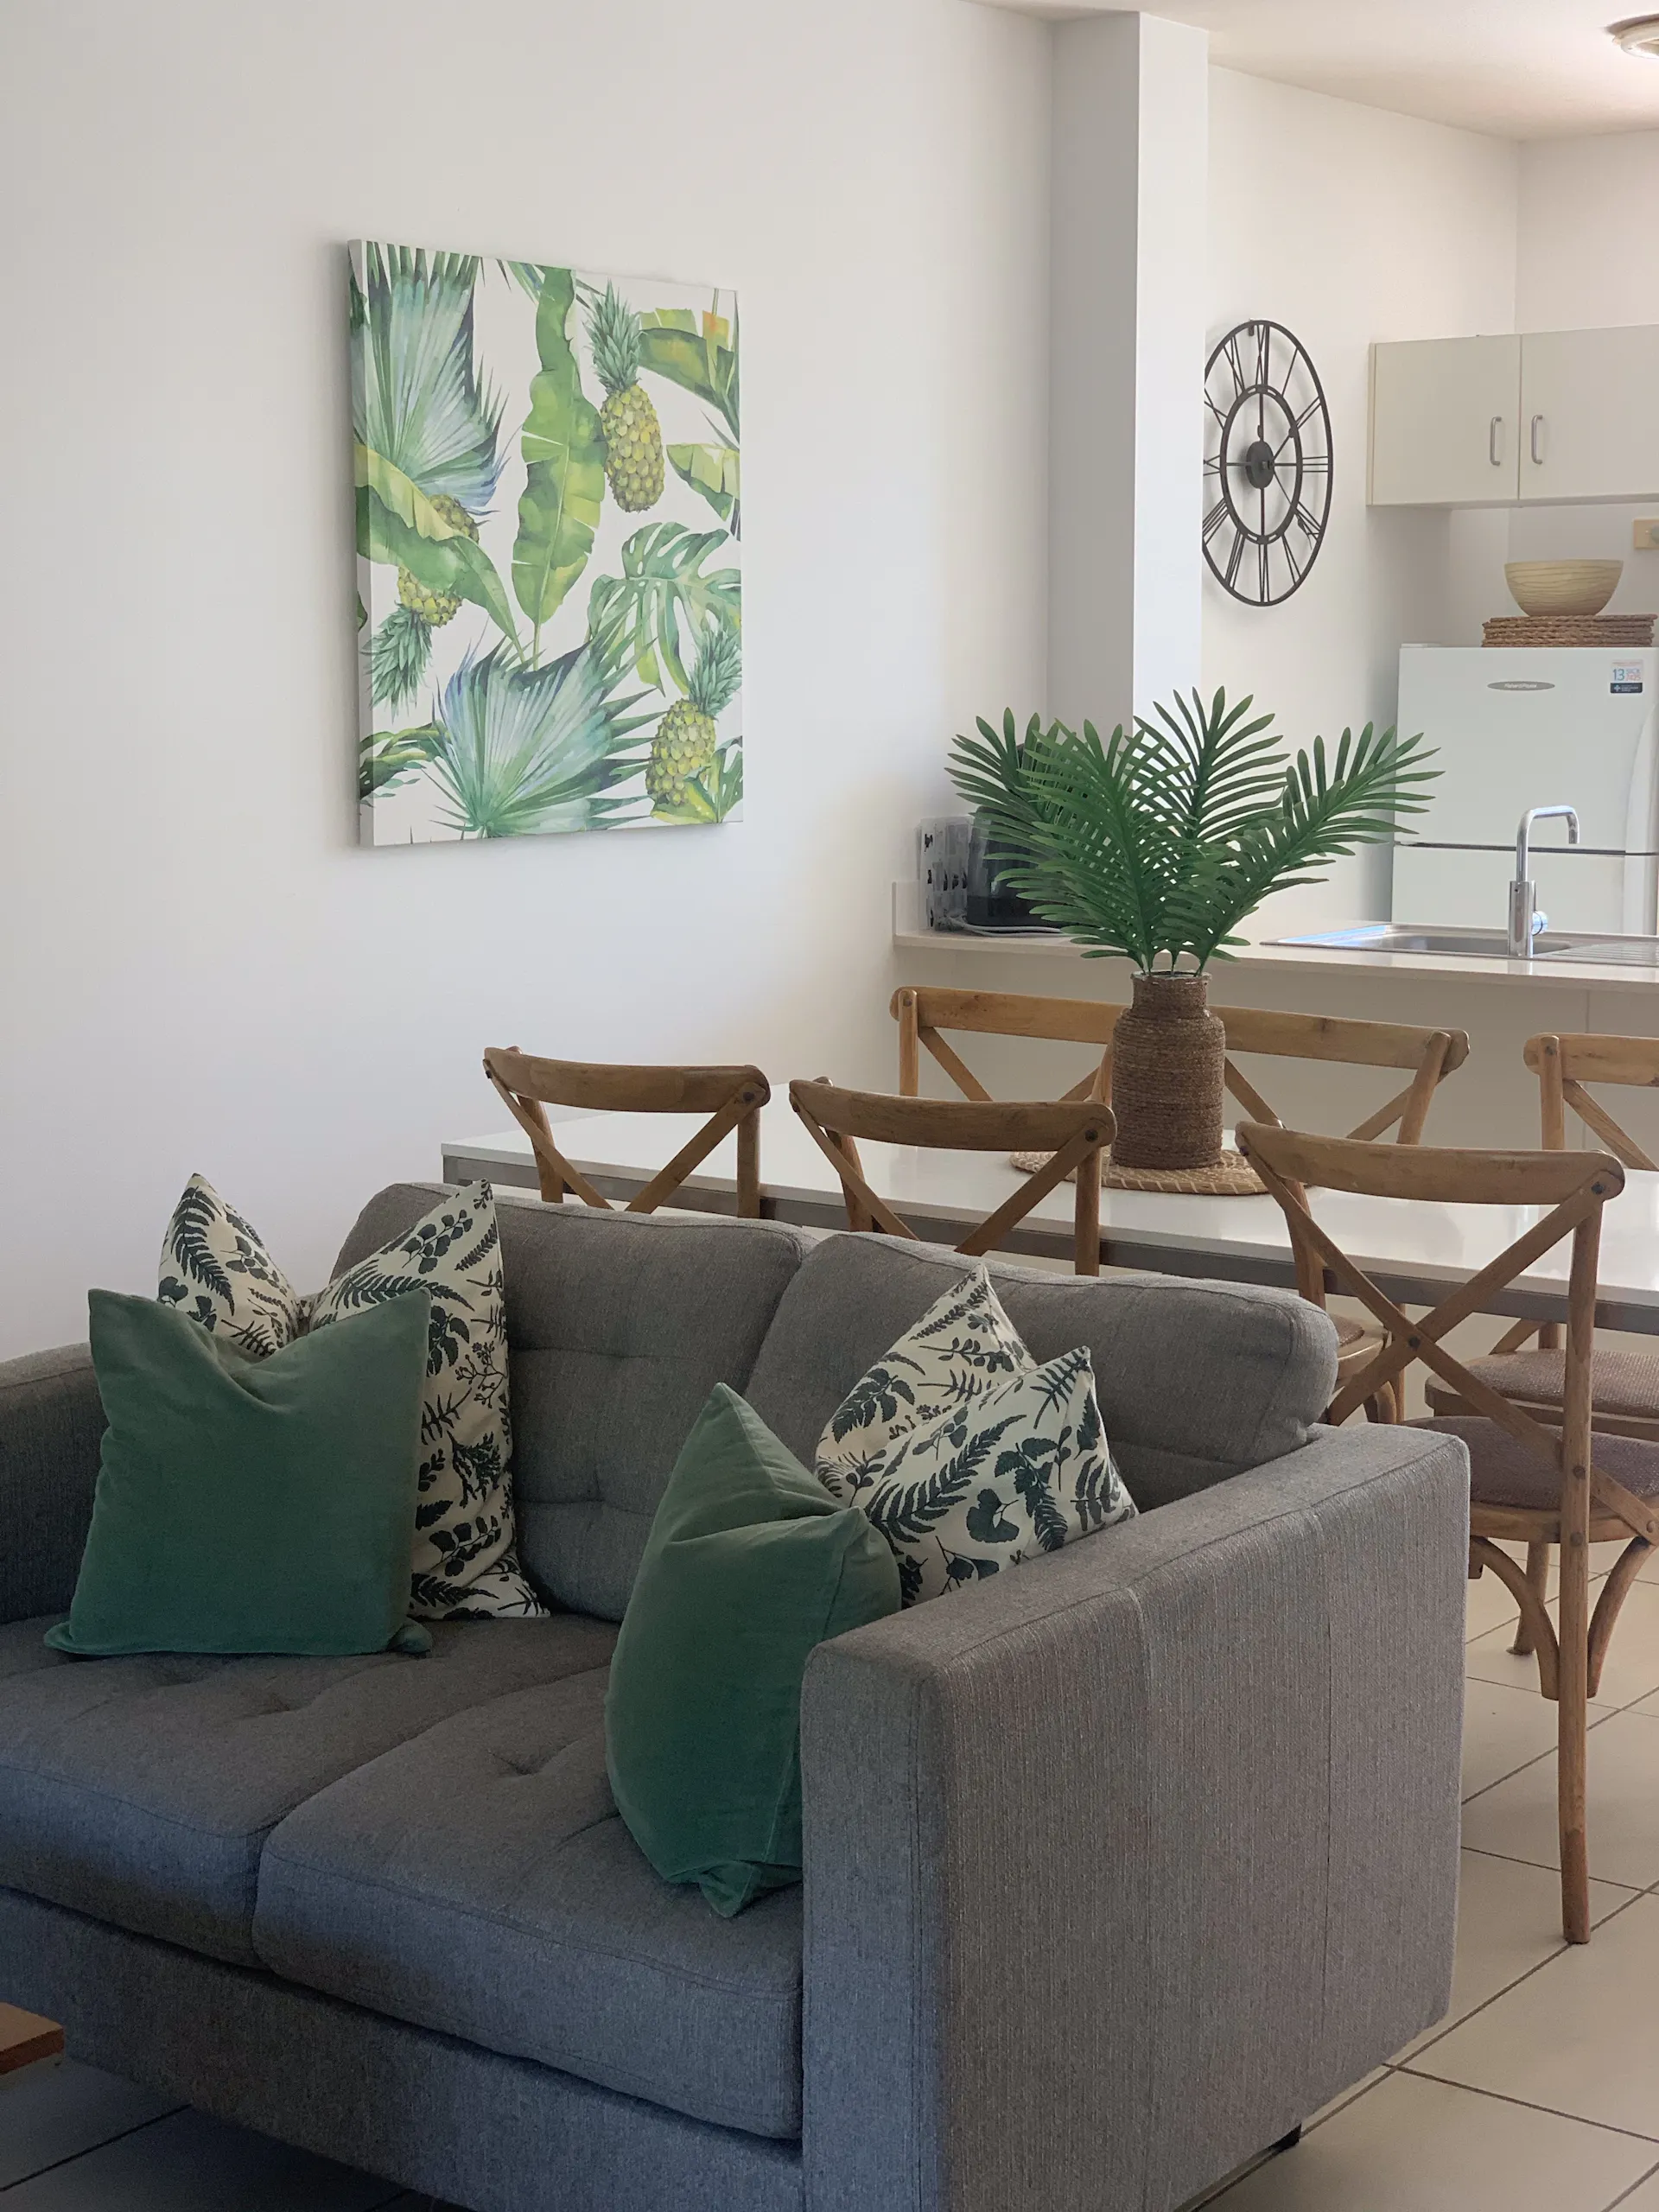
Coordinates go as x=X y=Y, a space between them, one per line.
x=1627 y=676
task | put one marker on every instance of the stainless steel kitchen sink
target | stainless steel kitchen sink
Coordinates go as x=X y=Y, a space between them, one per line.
x=1480 y=944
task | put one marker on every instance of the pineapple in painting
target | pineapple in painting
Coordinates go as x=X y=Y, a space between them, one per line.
x=628 y=421
x=434 y=608
x=548 y=538
x=685 y=750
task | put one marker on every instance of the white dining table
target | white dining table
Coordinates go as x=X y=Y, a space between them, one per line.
x=1415 y=1251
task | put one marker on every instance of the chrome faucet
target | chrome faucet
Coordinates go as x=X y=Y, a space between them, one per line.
x=1525 y=920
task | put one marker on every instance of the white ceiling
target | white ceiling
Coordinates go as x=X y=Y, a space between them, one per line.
x=1518 y=68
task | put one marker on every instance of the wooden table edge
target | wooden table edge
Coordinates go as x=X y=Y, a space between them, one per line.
x=26 y=2039
x=1139 y=1249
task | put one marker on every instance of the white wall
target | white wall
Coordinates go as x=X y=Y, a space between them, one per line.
x=1588 y=244
x=1587 y=258
x=1128 y=242
x=1348 y=225
x=200 y=971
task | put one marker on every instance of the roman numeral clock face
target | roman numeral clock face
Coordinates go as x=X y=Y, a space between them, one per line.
x=1267 y=463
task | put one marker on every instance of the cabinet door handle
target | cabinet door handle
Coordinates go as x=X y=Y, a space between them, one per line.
x=1495 y=442
x=1538 y=440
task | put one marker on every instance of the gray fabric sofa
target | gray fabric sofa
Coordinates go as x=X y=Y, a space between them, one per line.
x=1117 y=1867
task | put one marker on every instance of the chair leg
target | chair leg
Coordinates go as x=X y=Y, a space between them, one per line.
x=1538 y=1575
x=1571 y=1721
x=1383 y=1406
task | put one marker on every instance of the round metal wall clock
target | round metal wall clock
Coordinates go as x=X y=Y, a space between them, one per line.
x=1267 y=463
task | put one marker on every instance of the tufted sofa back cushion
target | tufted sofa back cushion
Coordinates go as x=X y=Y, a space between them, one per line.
x=1196 y=1381
x=618 y=1327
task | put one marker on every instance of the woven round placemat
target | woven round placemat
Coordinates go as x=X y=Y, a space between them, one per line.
x=1615 y=630
x=1231 y=1178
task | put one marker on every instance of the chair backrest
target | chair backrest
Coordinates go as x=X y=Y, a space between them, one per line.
x=1071 y=1131
x=732 y=1099
x=1428 y=1054
x=1574 y=1185
x=1564 y=1064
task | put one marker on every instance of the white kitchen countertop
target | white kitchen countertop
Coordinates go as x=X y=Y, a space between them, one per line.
x=1584 y=974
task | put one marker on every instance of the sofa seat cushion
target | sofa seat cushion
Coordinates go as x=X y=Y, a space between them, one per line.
x=141 y=1790
x=24 y=1649
x=478 y=1881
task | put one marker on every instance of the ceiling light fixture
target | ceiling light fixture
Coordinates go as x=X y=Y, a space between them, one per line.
x=1637 y=34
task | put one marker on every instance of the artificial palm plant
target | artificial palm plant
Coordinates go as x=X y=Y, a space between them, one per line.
x=1154 y=845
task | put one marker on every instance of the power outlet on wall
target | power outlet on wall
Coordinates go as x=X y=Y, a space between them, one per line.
x=1646 y=537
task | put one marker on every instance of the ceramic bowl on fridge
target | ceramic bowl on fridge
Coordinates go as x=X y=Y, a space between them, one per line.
x=1562 y=587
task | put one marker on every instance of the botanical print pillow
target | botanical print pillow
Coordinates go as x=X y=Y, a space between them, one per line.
x=969 y=1457
x=215 y=1265
x=465 y=1564
x=964 y=1345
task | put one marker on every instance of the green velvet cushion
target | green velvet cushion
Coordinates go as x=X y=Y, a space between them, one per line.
x=749 y=1564
x=249 y=1504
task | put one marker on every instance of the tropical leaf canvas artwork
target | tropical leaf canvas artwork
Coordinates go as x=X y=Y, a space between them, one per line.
x=550 y=608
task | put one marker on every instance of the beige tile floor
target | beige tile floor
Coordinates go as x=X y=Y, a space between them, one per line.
x=1539 y=2092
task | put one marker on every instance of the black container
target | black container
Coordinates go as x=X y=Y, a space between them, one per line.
x=992 y=905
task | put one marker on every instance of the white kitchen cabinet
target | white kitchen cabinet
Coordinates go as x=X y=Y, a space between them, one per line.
x=1547 y=415
x=1590 y=414
x=1444 y=420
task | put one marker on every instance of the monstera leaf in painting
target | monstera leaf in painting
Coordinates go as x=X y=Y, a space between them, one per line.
x=659 y=606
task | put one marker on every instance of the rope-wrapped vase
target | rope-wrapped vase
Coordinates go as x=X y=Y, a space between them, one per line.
x=1168 y=1053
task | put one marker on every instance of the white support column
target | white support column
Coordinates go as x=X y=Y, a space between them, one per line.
x=1126 y=330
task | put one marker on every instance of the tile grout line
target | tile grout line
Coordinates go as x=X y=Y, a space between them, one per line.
x=1544 y=1866
x=1504 y=2097
x=1407 y=2065
x=91 y=2149
x=87 y=2151
x=1631 y=1888
x=1600 y=1721
x=1640 y=2181
x=1341 y=2102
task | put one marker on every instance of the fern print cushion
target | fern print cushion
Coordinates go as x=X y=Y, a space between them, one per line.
x=962 y=1345
x=464 y=1564
x=968 y=1455
x=217 y=1267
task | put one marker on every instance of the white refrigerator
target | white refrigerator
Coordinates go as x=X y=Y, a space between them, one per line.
x=1518 y=726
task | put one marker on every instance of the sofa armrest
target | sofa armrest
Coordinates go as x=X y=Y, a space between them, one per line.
x=1120 y=1866
x=51 y=1423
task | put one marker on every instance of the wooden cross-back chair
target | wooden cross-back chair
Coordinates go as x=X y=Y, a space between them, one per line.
x=1073 y=1132
x=1544 y=1484
x=1627 y=1383
x=1527 y=1364
x=731 y=1097
x=1428 y=1056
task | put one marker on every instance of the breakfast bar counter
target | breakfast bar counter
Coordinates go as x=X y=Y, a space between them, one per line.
x=1415 y=1251
x=1491 y=1100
